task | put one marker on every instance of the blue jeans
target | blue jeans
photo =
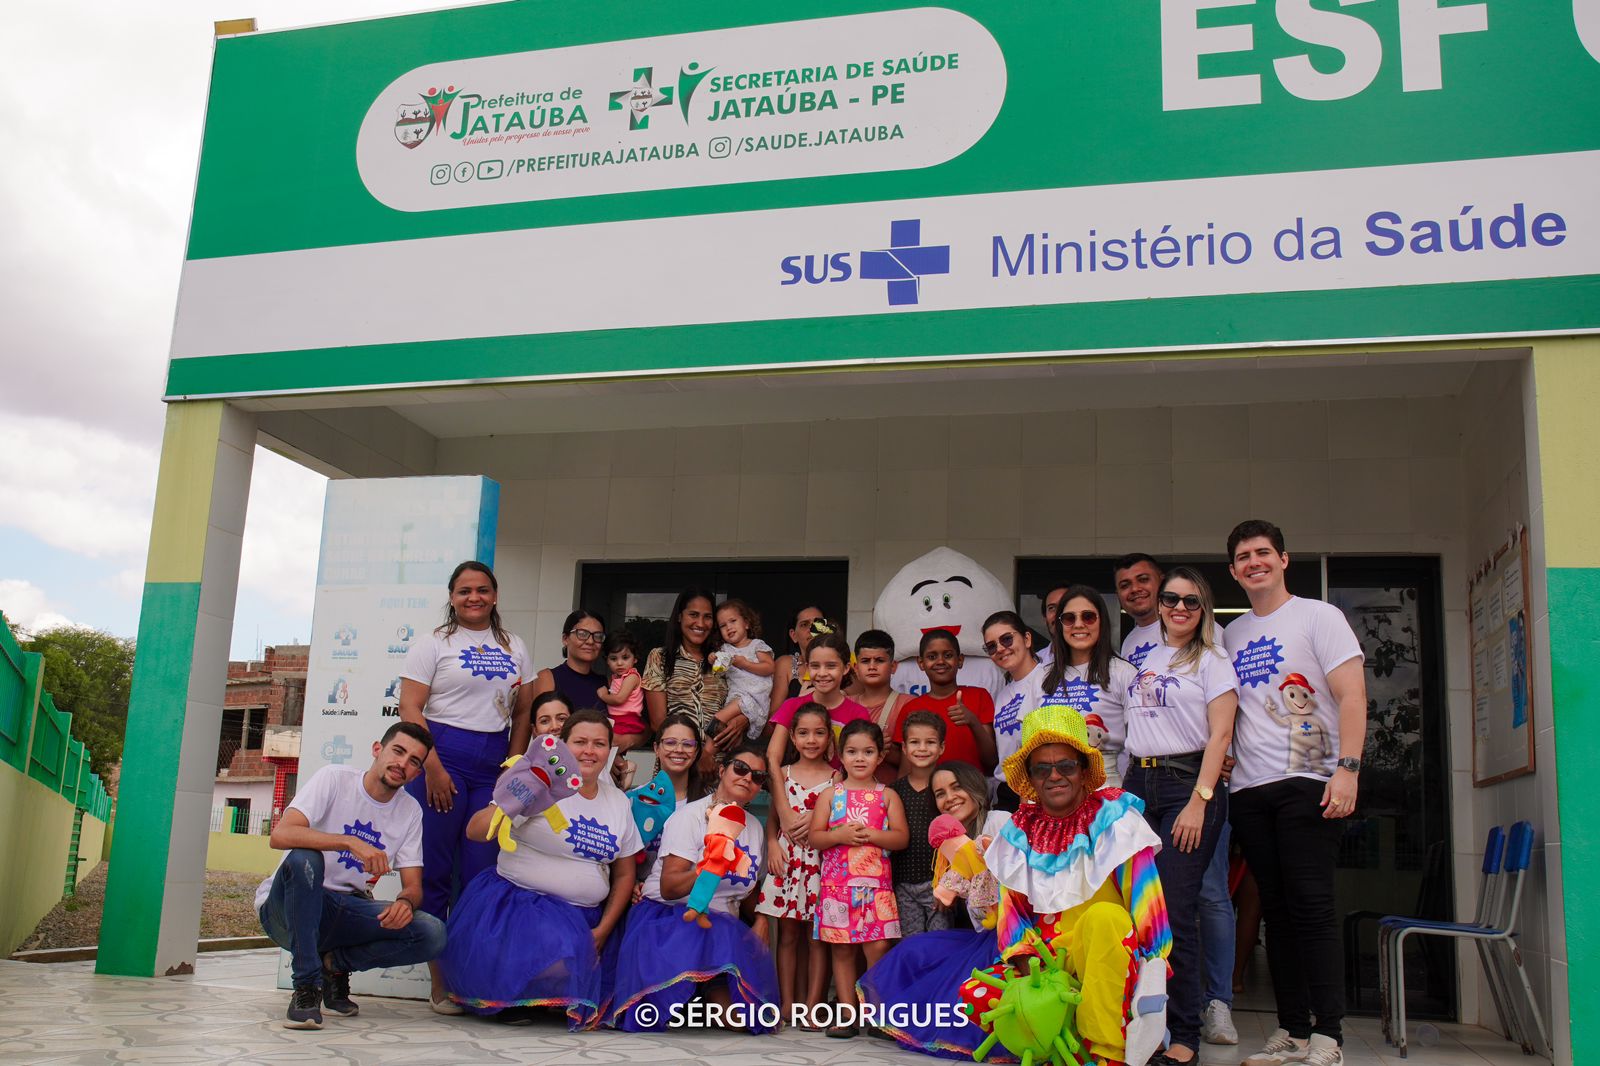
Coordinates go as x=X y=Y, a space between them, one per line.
x=307 y=919
x=1166 y=790
x=450 y=860
x=1217 y=928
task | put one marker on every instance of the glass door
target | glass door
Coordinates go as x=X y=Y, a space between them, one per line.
x=1396 y=853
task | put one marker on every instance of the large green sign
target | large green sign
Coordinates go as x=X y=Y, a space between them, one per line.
x=520 y=191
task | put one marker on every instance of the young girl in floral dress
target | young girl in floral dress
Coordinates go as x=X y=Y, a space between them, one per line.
x=856 y=824
x=789 y=893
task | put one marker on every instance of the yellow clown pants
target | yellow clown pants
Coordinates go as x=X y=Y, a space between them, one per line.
x=1098 y=956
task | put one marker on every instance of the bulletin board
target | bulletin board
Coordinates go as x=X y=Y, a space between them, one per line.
x=1502 y=664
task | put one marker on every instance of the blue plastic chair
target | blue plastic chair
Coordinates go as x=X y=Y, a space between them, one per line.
x=1489 y=899
x=1494 y=930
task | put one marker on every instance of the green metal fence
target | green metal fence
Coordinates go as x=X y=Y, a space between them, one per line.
x=36 y=738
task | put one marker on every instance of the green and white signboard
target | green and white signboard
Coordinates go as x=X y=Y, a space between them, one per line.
x=525 y=191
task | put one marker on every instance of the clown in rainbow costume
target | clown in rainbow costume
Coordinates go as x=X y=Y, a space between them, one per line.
x=1079 y=893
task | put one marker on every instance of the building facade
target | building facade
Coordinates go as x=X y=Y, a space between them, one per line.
x=809 y=298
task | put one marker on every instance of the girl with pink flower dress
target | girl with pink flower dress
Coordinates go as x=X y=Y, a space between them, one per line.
x=856 y=824
x=789 y=893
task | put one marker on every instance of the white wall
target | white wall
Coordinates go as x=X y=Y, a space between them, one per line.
x=1500 y=482
x=1373 y=476
x=258 y=792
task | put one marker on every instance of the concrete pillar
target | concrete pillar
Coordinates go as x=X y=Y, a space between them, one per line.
x=156 y=878
x=1566 y=373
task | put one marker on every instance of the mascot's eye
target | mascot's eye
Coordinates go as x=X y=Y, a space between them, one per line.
x=947 y=601
x=561 y=771
x=927 y=603
x=553 y=760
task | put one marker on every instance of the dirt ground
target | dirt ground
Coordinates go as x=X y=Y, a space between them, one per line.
x=228 y=909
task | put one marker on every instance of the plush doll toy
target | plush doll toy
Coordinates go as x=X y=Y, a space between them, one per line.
x=724 y=822
x=958 y=869
x=533 y=784
x=652 y=802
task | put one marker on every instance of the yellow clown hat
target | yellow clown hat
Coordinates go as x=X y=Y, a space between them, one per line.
x=1057 y=724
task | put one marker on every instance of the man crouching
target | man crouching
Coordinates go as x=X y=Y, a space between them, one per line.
x=345 y=830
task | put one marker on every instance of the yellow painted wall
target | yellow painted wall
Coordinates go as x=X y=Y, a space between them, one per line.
x=1567 y=381
x=35 y=831
x=241 y=852
x=91 y=846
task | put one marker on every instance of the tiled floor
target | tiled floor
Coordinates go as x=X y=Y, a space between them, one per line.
x=229 y=1012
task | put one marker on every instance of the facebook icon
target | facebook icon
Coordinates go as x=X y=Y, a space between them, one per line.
x=905 y=262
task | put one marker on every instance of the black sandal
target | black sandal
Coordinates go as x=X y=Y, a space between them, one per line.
x=841 y=1032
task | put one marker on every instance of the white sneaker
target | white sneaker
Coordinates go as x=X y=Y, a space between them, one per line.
x=1216 y=1024
x=445 y=1006
x=1280 y=1048
x=1323 y=1051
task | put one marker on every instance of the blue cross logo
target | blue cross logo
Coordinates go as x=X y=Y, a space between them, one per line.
x=905 y=262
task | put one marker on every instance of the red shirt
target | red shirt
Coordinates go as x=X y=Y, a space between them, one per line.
x=959 y=743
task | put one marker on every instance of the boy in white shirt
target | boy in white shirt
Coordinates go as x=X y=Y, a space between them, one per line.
x=344 y=831
x=1298 y=739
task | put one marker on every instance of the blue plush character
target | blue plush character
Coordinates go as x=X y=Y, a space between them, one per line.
x=652 y=803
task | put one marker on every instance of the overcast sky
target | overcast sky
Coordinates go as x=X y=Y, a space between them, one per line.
x=104 y=102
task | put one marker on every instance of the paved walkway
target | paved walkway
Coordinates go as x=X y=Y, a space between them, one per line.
x=229 y=1012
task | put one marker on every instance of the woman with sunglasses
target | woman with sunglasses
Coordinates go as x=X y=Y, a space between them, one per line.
x=1180 y=708
x=583 y=636
x=1087 y=675
x=664 y=960
x=1009 y=645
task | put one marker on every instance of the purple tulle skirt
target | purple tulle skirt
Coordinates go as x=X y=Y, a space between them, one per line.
x=663 y=958
x=510 y=946
x=928 y=969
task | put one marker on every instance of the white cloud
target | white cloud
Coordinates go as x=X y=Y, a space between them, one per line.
x=26 y=607
x=105 y=104
x=282 y=533
x=76 y=487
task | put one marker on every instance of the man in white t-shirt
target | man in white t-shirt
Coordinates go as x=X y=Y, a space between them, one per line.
x=1298 y=739
x=1137 y=578
x=344 y=831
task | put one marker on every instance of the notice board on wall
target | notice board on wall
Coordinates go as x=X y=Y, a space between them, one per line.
x=1502 y=658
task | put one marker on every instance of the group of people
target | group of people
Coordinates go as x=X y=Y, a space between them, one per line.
x=916 y=850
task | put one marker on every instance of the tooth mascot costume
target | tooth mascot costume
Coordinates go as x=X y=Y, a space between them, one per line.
x=941 y=590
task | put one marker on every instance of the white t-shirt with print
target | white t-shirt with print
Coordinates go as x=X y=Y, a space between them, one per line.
x=1109 y=703
x=1166 y=704
x=1014 y=703
x=1304 y=637
x=472 y=681
x=335 y=800
x=574 y=864
x=1141 y=641
x=684 y=835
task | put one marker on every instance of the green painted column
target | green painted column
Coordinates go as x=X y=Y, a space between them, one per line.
x=157 y=876
x=1566 y=382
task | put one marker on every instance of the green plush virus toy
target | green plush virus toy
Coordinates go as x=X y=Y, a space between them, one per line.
x=1035 y=1014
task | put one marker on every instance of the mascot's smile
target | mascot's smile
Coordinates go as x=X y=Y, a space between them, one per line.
x=954 y=631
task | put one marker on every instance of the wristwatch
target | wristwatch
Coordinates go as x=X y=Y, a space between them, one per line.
x=1351 y=763
x=1204 y=793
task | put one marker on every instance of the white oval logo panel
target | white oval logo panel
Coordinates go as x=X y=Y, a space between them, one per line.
x=893 y=90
